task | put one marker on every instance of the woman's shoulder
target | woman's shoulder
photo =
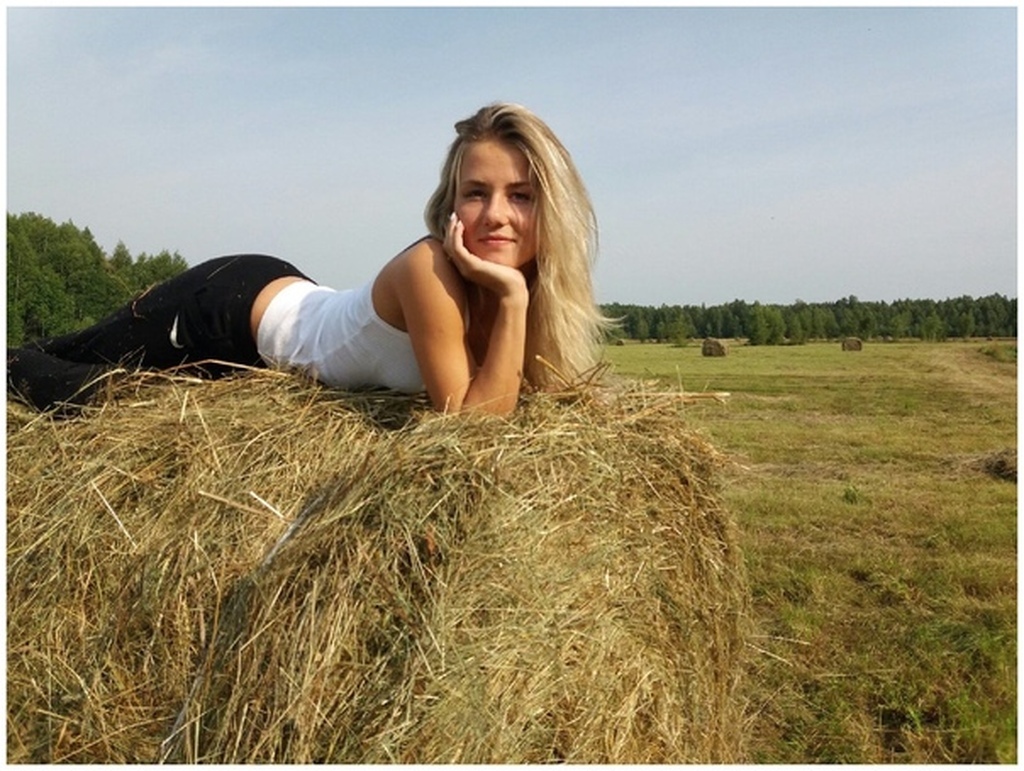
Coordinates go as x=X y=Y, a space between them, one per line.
x=420 y=273
x=425 y=250
x=423 y=258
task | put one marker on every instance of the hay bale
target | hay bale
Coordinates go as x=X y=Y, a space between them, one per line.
x=256 y=570
x=852 y=344
x=713 y=347
x=1001 y=464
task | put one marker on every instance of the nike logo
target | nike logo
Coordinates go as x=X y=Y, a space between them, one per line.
x=174 y=333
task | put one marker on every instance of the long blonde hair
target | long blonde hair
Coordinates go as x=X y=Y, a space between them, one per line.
x=564 y=325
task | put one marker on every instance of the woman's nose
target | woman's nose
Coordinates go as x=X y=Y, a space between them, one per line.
x=497 y=210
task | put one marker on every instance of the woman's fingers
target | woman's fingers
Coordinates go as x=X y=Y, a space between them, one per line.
x=455 y=247
x=453 y=244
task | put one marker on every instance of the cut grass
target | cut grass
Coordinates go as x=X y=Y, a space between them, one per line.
x=877 y=498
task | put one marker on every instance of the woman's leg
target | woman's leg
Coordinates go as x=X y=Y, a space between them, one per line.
x=195 y=317
x=46 y=382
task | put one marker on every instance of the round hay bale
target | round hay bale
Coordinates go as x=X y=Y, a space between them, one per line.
x=713 y=347
x=1001 y=464
x=257 y=570
x=852 y=344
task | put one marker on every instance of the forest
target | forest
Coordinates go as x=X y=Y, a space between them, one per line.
x=932 y=320
x=59 y=280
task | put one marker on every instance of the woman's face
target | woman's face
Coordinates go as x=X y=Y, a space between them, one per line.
x=497 y=204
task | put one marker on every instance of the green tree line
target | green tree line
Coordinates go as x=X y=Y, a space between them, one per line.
x=934 y=320
x=60 y=280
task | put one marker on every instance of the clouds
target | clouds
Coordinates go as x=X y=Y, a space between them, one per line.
x=765 y=154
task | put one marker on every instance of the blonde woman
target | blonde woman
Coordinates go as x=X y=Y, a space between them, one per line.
x=497 y=295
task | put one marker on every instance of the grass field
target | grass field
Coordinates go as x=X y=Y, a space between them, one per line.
x=876 y=492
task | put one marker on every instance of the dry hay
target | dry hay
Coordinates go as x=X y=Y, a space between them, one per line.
x=713 y=347
x=258 y=570
x=1001 y=464
x=852 y=344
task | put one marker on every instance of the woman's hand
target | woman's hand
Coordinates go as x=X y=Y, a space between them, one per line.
x=503 y=280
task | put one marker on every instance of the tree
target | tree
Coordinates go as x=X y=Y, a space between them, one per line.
x=148 y=270
x=994 y=316
x=899 y=325
x=59 y=280
x=714 y=323
x=866 y=322
x=795 y=331
x=641 y=329
x=757 y=333
x=932 y=328
x=776 y=325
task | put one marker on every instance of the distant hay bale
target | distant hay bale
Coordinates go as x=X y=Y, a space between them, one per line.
x=713 y=347
x=258 y=570
x=852 y=344
x=1001 y=464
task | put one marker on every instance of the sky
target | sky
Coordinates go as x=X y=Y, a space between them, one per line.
x=761 y=154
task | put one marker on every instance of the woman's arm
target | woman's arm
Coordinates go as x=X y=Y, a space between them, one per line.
x=429 y=284
x=495 y=387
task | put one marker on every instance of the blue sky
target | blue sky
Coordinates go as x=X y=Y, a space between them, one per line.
x=762 y=154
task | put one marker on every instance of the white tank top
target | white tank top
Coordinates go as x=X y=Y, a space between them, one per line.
x=337 y=338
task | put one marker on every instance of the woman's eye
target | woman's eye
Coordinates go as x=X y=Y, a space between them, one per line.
x=522 y=197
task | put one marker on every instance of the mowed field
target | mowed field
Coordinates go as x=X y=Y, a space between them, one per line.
x=876 y=493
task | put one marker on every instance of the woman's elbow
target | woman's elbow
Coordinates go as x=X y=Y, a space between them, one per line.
x=501 y=405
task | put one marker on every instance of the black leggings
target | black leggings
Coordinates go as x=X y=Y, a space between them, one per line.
x=200 y=317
